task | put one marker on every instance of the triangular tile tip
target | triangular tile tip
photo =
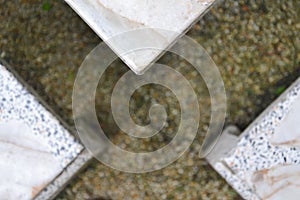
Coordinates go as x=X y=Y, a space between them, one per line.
x=111 y=17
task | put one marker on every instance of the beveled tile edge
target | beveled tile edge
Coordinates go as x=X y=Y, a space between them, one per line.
x=285 y=96
x=176 y=38
x=226 y=143
x=39 y=99
x=88 y=18
x=78 y=163
x=62 y=180
x=240 y=185
x=21 y=105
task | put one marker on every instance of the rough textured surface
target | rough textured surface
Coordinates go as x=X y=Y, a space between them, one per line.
x=254 y=43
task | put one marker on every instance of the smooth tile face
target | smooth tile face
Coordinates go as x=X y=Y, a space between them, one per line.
x=283 y=180
x=167 y=14
x=26 y=164
x=111 y=17
x=265 y=162
x=34 y=146
x=288 y=132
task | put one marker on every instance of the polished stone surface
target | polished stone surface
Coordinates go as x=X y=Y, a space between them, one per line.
x=265 y=162
x=26 y=164
x=34 y=146
x=283 y=179
x=166 y=20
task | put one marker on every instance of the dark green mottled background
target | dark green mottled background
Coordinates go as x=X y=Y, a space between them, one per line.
x=255 y=44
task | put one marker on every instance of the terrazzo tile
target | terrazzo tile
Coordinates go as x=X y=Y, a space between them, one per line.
x=35 y=147
x=265 y=162
x=111 y=17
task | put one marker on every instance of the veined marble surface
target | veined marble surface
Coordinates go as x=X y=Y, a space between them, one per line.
x=166 y=20
x=34 y=146
x=265 y=162
x=26 y=164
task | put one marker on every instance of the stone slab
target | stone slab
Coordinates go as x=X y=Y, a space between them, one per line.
x=35 y=147
x=265 y=162
x=112 y=17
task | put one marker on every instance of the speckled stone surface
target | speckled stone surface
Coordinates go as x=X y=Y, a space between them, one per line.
x=35 y=147
x=265 y=163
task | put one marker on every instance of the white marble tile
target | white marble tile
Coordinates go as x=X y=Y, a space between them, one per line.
x=26 y=164
x=265 y=162
x=34 y=146
x=278 y=182
x=111 y=17
x=283 y=180
x=288 y=132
